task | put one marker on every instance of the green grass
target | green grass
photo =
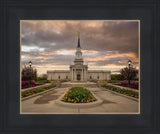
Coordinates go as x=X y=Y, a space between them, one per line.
x=113 y=81
x=123 y=91
x=43 y=81
x=119 y=81
x=35 y=90
x=78 y=95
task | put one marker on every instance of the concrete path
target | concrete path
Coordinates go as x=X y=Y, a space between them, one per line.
x=112 y=104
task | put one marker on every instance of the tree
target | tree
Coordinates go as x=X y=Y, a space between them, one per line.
x=126 y=74
x=28 y=73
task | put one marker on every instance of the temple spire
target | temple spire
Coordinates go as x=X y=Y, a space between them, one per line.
x=78 y=39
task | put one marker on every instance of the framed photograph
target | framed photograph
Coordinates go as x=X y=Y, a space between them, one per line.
x=79 y=67
x=98 y=76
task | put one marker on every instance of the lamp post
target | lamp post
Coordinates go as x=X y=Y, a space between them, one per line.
x=129 y=64
x=30 y=64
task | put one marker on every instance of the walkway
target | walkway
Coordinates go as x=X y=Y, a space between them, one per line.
x=112 y=104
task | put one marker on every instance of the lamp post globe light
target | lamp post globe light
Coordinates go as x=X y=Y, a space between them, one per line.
x=30 y=64
x=129 y=64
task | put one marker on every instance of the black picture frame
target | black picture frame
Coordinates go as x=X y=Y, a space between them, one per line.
x=12 y=11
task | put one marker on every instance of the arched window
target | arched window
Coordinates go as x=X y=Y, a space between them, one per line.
x=66 y=77
x=97 y=77
x=90 y=77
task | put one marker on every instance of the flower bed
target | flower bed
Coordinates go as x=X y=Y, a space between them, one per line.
x=35 y=90
x=78 y=95
x=26 y=84
x=123 y=91
x=132 y=84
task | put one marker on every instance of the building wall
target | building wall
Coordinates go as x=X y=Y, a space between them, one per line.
x=58 y=75
x=99 y=75
x=94 y=74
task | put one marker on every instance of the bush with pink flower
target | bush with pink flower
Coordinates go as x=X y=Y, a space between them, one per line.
x=132 y=84
x=26 y=84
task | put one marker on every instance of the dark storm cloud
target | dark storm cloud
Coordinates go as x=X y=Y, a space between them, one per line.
x=122 y=36
x=105 y=37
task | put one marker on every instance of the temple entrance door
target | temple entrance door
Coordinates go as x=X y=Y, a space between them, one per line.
x=78 y=77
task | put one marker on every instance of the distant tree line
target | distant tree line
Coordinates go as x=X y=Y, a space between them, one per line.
x=42 y=77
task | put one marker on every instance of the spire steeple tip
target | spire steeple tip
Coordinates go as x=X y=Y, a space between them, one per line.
x=78 y=39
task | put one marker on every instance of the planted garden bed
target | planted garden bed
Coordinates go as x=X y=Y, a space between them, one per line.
x=132 y=84
x=123 y=91
x=36 y=90
x=26 y=84
x=78 y=95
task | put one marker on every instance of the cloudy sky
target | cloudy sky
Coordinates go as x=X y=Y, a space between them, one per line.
x=106 y=45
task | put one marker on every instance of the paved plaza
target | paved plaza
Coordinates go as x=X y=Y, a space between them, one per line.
x=113 y=103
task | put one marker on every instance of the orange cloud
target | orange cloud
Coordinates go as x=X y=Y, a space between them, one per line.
x=46 y=54
x=113 y=54
x=44 y=59
x=92 y=51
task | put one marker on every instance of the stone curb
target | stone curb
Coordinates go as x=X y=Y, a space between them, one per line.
x=31 y=96
x=77 y=105
x=129 y=97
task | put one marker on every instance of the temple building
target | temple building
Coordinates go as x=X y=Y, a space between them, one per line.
x=78 y=71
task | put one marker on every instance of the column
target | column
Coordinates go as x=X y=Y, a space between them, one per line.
x=72 y=74
x=84 y=74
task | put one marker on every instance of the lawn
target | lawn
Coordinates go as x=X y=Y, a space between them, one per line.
x=78 y=95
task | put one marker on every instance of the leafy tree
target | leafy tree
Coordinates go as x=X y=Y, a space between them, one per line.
x=126 y=73
x=29 y=73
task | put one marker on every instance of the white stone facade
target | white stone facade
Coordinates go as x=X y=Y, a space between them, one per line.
x=78 y=71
